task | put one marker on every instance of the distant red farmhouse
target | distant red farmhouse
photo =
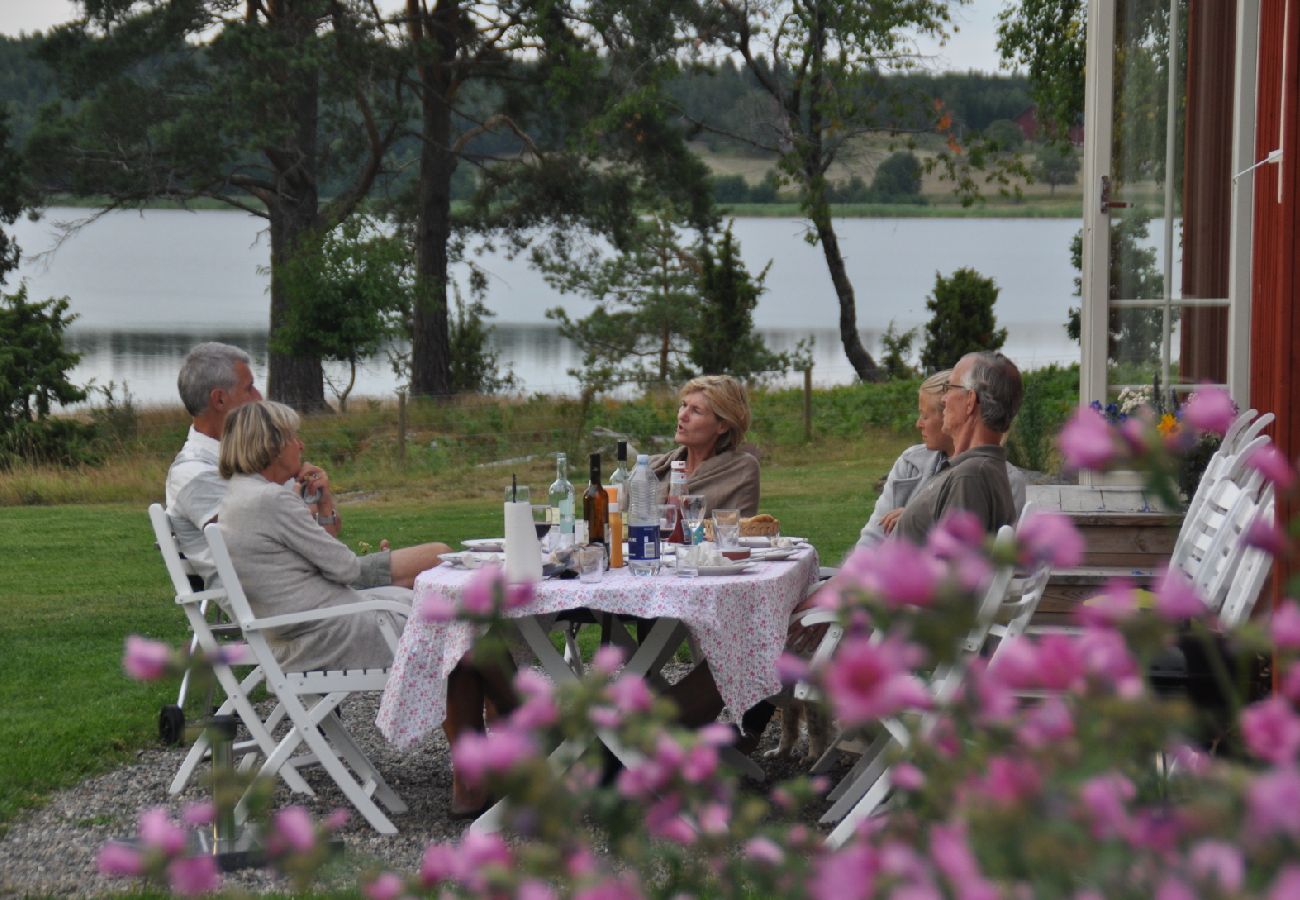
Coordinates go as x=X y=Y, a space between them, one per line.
x=1030 y=127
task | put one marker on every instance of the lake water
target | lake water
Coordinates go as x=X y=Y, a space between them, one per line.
x=148 y=286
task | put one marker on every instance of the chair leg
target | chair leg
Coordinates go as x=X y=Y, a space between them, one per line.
x=858 y=780
x=342 y=739
x=869 y=803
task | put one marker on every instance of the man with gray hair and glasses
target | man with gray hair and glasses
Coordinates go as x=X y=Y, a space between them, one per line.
x=215 y=379
x=980 y=401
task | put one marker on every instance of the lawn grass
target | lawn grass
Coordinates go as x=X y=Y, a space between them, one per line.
x=77 y=579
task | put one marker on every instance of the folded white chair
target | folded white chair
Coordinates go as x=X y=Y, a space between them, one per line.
x=310 y=698
x=1248 y=580
x=867 y=785
x=198 y=606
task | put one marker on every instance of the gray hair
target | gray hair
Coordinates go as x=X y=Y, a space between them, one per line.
x=206 y=368
x=996 y=381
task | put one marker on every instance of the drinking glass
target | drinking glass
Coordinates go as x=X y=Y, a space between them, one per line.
x=693 y=515
x=517 y=493
x=591 y=563
x=726 y=528
x=541 y=523
x=667 y=521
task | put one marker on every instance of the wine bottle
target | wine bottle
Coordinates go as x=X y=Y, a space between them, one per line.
x=618 y=483
x=615 y=531
x=676 y=491
x=595 y=505
x=560 y=498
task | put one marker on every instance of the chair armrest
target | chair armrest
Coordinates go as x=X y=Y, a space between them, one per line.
x=199 y=597
x=327 y=612
x=813 y=615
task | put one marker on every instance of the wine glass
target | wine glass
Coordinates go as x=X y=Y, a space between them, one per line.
x=667 y=521
x=693 y=514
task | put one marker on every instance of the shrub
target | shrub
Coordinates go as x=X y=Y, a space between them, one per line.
x=899 y=176
x=961 y=319
x=1051 y=394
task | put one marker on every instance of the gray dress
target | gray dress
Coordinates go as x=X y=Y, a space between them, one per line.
x=287 y=563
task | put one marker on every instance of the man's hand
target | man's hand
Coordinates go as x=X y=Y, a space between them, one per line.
x=889 y=521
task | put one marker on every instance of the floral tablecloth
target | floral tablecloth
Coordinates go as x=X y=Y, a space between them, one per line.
x=739 y=622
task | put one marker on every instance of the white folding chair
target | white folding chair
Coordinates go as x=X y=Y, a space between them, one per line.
x=198 y=605
x=309 y=698
x=860 y=792
x=1245 y=581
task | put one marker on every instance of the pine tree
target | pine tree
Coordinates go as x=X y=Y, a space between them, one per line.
x=961 y=319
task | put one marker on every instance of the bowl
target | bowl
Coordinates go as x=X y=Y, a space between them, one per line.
x=736 y=554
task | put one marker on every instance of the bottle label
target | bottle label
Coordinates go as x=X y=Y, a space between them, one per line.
x=643 y=542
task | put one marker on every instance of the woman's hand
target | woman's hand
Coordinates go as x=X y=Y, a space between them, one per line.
x=889 y=521
x=312 y=480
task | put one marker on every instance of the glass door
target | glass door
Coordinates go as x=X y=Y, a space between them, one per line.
x=1165 y=134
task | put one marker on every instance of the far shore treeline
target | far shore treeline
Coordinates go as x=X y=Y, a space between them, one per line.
x=376 y=143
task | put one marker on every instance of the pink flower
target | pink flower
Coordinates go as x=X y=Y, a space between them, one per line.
x=237 y=654
x=1273 y=803
x=533 y=889
x=198 y=814
x=607 y=659
x=532 y=683
x=436 y=608
x=1115 y=604
x=957 y=534
x=119 y=860
x=385 y=887
x=715 y=735
x=1271 y=730
x=610 y=889
x=906 y=777
x=521 y=594
x=903 y=574
x=440 y=863
x=1086 y=441
x=1052 y=538
x=477 y=754
x=605 y=716
x=1176 y=599
x=631 y=695
x=664 y=820
x=1285 y=626
x=1172 y=888
x=849 y=874
x=997 y=703
x=1287 y=884
x=715 y=818
x=159 y=832
x=479 y=852
x=1047 y=724
x=535 y=713
x=791 y=669
x=336 y=820
x=700 y=763
x=479 y=596
x=1220 y=862
x=1105 y=798
x=764 y=851
x=1008 y=781
x=953 y=857
x=146 y=660
x=292 y=831
x=867 y=681
x=1290 y=686
x=1266 y=536
x=1210 y=409
x=1105 y=656
x=191 y=876
x=1269 y=462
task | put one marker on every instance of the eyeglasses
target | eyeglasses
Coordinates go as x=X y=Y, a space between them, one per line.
x=951 y=386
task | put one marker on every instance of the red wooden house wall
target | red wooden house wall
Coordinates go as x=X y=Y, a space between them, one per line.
x=1275 y=287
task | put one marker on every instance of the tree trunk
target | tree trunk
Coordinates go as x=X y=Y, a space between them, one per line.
x=858 y=356
x=293 y=209
x=430 y=337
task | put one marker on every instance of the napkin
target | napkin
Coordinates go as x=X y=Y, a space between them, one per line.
x=523 y=553
x=704 y=554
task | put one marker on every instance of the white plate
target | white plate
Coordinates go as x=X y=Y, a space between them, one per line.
x=729 y=569
x=767 y=541
x=764 y=555
x=488 y=545
x=472 y=559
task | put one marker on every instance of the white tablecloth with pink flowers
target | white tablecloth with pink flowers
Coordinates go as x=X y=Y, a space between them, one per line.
x=738 y=621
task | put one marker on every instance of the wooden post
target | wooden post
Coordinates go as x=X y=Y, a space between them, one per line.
x=401 y=427
x=807 y=404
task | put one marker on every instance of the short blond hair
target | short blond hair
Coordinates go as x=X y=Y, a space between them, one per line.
x=935 y=384
x=727 y=400
x=254 y=435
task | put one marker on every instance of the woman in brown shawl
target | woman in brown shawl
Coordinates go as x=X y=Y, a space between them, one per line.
x=711 y=423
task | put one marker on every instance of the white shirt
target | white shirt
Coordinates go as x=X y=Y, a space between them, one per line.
x=194 y=492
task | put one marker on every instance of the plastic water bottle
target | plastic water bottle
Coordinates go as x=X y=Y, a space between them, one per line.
x=642 y=519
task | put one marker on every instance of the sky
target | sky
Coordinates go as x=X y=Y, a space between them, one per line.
x=973 y=47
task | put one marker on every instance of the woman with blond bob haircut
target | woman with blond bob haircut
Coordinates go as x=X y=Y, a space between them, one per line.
x=712 y=419
x=287 y=563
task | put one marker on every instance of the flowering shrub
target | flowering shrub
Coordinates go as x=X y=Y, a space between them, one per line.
x=1094 y=788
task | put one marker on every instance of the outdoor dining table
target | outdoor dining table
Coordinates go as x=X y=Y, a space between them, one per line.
x=739 y=623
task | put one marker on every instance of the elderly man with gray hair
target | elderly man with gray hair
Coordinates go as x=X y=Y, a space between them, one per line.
x=980 y=401
x=215 y=379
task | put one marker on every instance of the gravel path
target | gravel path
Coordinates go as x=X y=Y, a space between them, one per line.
x=52 y=851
